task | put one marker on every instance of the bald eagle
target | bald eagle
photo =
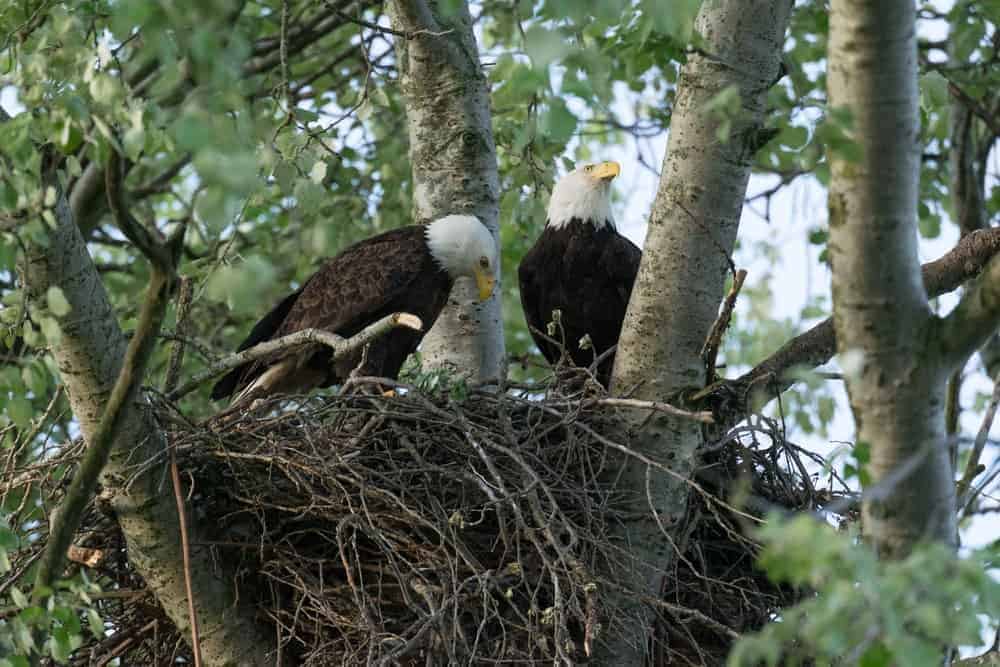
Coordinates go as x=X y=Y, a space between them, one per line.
x=581 y=266
x=411 y=269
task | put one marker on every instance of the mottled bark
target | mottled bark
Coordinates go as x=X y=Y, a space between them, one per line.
x=886 y=335
x=692 y=231
x=454 y=166
x=89 y=357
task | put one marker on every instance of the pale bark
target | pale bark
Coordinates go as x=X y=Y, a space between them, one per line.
x=885 y=332
x=454 y=163
x=89 y=356
x=692 y=231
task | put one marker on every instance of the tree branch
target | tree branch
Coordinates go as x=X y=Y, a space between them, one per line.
x=64 y=524
x=816 y=346
x=157 y=252
x=298 y=40
x=656 y=406
x=973 y=467
x=974 y=319
x=340 y=347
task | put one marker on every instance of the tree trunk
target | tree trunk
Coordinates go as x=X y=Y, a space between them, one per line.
x=692 y=231
x=885 y=333
x=454 y=167
x=89 y=356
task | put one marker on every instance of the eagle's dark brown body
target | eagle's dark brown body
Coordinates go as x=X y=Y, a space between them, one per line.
x=587 y=272
x=388 y=273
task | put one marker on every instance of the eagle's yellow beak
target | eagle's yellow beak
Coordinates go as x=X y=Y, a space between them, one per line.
x=485 y=282
x=606 y=171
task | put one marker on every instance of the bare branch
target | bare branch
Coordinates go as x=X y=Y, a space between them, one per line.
x=150 y=246
x=657 y=406
x=973 y=467
x=297 y=41
x=816 y=346
x=340 y=347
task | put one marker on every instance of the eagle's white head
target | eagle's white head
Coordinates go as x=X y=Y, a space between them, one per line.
x=584 y=194
x=463 y=246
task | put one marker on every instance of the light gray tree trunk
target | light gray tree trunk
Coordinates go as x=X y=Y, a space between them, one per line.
x=454 y=167
x=89 y=356
x=886 y=336
x=692 y=231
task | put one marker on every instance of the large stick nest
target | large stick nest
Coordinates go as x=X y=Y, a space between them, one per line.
x=427 y=529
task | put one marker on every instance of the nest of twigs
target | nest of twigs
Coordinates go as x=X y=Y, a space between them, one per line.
x=441 y=529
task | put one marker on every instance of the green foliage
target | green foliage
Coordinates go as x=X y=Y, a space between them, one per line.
x=438 y=381
x=53 y=627
x=863 y=611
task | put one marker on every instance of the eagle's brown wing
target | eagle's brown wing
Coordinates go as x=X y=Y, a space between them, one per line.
x=348 y=292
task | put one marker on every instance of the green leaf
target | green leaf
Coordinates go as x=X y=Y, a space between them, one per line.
x=819 y=236
x=793 y=137
x=305 y=115
x=675 y=20
x=241 y=286
x=309 y=196
x=19 y=598
x=545 y=46
x=57 y=302
x=235 y=171
x=22 y=635
x=285 y=175
x=95 y=623
x=934 y=90
x=60 y=645
x=318 y=172
x=558 y=123
x=20 y=411
x=193 y=131
x=51 y=330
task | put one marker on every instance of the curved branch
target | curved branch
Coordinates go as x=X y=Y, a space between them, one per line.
x=974 y=319
x=817 y=346
x=340 y=347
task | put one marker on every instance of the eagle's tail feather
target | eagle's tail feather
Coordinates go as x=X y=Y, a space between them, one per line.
x=269 y=382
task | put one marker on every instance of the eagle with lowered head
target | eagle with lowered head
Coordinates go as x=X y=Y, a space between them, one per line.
x=410 y=269
x=581 y=266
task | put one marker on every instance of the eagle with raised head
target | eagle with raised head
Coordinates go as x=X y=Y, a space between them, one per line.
x=581 y=266
x=410 y=269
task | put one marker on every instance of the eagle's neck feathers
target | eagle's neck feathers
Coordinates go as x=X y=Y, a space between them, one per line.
x=577 y=197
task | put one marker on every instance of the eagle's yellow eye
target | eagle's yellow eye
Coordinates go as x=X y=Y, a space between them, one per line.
x=589 y=167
